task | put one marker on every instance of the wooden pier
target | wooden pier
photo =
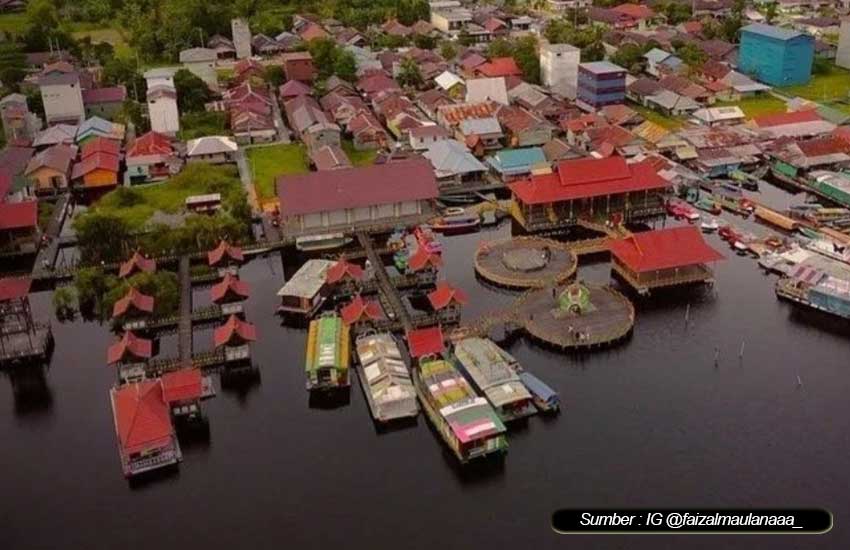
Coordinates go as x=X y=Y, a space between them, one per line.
x=388 y=292
x=185 y=327
x=525 y=262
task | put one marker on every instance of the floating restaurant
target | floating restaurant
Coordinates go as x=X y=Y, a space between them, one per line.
x=307 y=290
x=328 y=354
x=607 y=189
x=385 y=378
x=493 y=371
x=663 y=258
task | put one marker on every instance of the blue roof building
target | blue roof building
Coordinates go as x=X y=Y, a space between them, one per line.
x=776 y=56
x=510 y=164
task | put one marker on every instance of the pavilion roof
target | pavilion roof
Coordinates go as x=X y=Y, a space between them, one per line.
x=234 y=331
x=136 y=263
x=446 y=295
x=134 y=299
x=230 y=287
x=425 y=341
x=664 y=249
x=131 y=346
x=182 y=385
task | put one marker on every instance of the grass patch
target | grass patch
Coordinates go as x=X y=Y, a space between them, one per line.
x=757 y=106
x=671 y=123
x=196 y=125
x=136 y=205
x=358 y=158
x=98 y=34
x=834 y=85
x=277 y=160
x=13 y=23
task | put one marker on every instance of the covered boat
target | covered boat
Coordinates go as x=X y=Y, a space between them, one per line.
x=493 y=372
x=306 y=291
x=328 y=357
x=466 y=422
x=385 y=378
x=545 y=398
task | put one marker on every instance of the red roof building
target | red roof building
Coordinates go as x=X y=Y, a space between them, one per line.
x=792 y=117
x=229 y=290
x=446 y=295
x=499 y=66
x=423 y=259
x=343 y=270
x=182 y=385
x=100 y=145
x=635 y=11
x=133 y=303
x=589 y=188
x=146 y=437
x=225 y=254
x=18 y=215
x=667 y=257
x=298 y=66
x=150 y=144
x=235 y=332
x=136 y=264
x=361 y=310
x=130 y=348
x=293 y=88
x=425 y=341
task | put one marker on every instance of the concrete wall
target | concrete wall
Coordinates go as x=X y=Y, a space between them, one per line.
x=559 y=67
x=776 y=62
x=63 y=102
x=842 y=56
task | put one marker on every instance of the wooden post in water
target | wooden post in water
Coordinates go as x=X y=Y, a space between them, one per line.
x=741 y=353
x=687 y=314
x=716 y=355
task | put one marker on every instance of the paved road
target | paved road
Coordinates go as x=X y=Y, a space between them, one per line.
x=282 y=130
x=247 y=180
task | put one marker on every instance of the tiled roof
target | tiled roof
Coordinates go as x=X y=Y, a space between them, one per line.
x=142 y=417
x=131 y=347
x=225 y=251
x=133 y=298
x=359 y=309
x=18 y=215
x=137 y=263
x=446 y=295
x=182 y=385
x=664 y=249
x=14 y=288
x=234 y=332
x=500 y=66
x=229 y=287
x=425 y=341
x=115 y=94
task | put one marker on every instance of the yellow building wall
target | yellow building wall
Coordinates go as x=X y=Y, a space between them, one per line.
x=43 y=178
x=100 y=178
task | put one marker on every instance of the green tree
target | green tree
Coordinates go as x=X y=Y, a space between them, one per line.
x=12 y=65
x=629 y=56
x=424 y=42
x=65 y=302
x=192 y=92
x=103 y=237
x=409 y=74
x=345 y=66
x=448 y=50
x=692 y=55
x=274 y=75
x=120 y=70
x=411 y=11
x=44 y=27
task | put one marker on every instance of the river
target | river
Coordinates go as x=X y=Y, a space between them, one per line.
x=652 y=422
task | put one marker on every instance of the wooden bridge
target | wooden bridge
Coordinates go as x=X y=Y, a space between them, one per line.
x=389 y=293
x=185 y=327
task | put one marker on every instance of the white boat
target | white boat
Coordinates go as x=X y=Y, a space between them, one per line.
x=710 y=225
x=321 y=242
x=385 y=378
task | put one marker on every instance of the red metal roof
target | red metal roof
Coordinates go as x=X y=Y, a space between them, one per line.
x=95 y=161
x=223 y=251
x=359 y=309
x=13 y=288
x=585 y=178
x=142 y=417
x=445 y=295
x=136 y=299
x=294 y=88
x=635 y=11
x=500 y=66
x=664 y=249
x=779 y=119
x=425 y=341
x=18 y=215
x=390 y=183
x=234 y=332
x=151 y=143
x=136 y=263
x=182 y=385
x=115 y=94
x=341 y=269
x=423 y=259
x=129 y=346
x=100 y=145
x=827 y=145
x=229 y=289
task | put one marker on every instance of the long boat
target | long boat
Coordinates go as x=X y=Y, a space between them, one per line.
x=493 y=372
x=545 y=398
x=817 y=290
x=328 y=356
x=467 y=423
x=385 y=378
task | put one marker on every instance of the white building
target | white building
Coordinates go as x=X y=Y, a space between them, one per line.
x=161 y=76
x=559 y=68
x=451 y=21
x=162 y=109
x=842 y=56
x=63 y=98
x=201 y=63
x=241 y=38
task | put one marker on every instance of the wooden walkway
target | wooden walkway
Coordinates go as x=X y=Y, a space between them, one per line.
x=525 y=262
x=388 y=292
x=185 y=328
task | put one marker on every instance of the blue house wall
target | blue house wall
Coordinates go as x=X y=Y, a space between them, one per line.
x=776 y=56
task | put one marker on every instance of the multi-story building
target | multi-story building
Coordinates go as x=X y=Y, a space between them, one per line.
x=600 y=83
x=559 y=67
x=776 y=56
x=62 y=98
x=241 y=38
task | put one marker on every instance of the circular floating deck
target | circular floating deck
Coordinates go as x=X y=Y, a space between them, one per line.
x=525 y=262
x=600 y=316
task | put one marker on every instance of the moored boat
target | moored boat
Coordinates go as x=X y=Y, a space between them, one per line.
x=455 y=224
x=709 y=225
x=493 y=372
x=708 y=205
x=316 y=243
x=467 y=423
x=425 y=238
x=328 y=355
x=385 y=378
x=545 y=398
x=815 y=289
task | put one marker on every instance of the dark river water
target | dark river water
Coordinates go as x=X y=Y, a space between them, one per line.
x=652 y=422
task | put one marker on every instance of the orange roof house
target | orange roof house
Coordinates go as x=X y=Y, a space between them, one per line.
x=424 y=260
x=360 y=310
x=129 y=348
x=143 y=426
x=343 y=270
x=182 y=385
x=499 y=66
x=235 y=332
x=446 y=295
x=230 y=289
x=136 y=264
x=134 y=303
x=225 y=254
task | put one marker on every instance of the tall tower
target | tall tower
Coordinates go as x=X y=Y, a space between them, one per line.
x=559 y=67
x=241 y=38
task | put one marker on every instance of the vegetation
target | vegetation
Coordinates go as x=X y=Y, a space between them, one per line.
x=524 y=52
x=121 y=220
x=267 y=163
x=331 y=59
x=587 y=39
x=97 y=291
x=192 y=92
x=756 y=106
x=409 y=74
x=671 y=123
x=65 y=302
x=832 y=85
x=196 y=125
x=359 y=158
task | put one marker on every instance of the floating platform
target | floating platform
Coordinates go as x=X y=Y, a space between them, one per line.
x=26 y=345
x=578 y=317
x=525 y=262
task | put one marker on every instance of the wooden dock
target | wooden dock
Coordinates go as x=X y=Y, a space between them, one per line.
x=525 y=262
x=388 y=292
x=185 y=327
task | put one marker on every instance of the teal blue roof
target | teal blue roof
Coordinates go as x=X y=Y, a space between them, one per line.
x=771 y=31
x=509 y=159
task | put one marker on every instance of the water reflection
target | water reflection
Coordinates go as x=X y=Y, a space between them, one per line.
x=32 y=393
x=240 y=382
x=332 y=399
